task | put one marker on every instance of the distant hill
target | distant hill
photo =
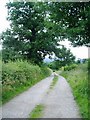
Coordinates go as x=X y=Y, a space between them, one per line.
x=48 y=60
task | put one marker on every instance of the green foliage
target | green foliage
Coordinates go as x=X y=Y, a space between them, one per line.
x=52 y=66
x=78 y=79
x=37 y=111
x=89 y=84
x=70 y=67
x=37 y=27
x=74 y=18
x=63 y=57
x=20 y=75
x=30 y=35
x=8 y=54
x=89 y=64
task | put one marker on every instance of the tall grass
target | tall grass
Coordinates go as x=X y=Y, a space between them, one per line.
x=19 y=76
x=78 y=79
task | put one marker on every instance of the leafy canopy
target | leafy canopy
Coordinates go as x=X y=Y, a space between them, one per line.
x=36 y=28
x=75 y=18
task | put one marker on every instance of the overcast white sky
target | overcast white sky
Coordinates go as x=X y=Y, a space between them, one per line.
x=79 y=52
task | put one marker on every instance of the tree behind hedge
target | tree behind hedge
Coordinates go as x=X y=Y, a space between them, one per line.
x=30 y=34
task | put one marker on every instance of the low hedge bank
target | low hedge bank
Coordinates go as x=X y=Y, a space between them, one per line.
x=19 y=76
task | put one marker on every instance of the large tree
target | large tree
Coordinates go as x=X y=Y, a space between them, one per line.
x=74 y=17
x=36 y=28
x=31 y=33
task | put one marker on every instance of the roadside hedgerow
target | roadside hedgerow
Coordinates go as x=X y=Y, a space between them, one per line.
x=20 y=75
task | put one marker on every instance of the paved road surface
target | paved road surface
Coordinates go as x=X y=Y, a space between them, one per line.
x=59 y=102
x=22 y=105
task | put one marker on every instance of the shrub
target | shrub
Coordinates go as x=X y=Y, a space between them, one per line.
x=72 y=66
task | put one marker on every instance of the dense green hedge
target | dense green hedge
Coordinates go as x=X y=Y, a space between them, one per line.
x=20 y=75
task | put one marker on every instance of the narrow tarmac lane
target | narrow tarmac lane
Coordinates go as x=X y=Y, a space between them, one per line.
x=22 y=105
x=60 y=103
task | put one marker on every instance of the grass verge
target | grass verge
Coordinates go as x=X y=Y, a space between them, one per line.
x=55 y=79
x=37 y=111
x=78 y=80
